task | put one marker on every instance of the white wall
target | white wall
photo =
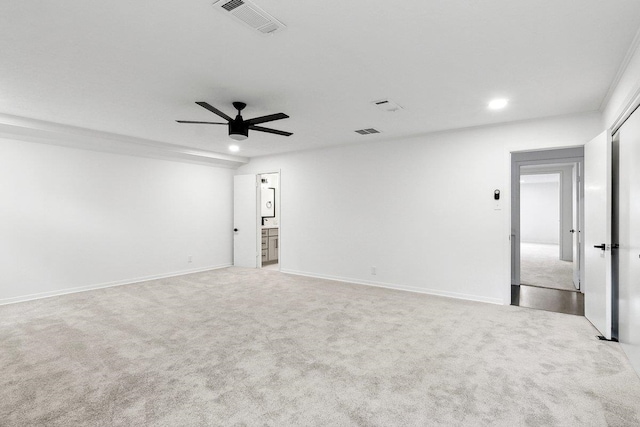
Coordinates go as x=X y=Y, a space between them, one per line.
x=73 y=219
x=420 y=210
x=540 y=212
x=627 y=87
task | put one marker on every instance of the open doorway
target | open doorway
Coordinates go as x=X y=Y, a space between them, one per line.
x=548 y=253
x=269 y=228
x=546 y=222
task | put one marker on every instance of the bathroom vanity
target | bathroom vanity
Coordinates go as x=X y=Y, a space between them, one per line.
x=269 y=245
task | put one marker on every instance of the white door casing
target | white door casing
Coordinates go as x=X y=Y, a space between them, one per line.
x=597 y=232
x=576 y=226
x=552 y=160
x=245 y=221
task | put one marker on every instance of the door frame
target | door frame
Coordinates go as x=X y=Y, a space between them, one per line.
x=256 y=214
x=615 y=235
x=259 y=218
x=539 y=157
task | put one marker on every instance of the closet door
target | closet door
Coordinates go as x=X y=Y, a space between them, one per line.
x=629 y=238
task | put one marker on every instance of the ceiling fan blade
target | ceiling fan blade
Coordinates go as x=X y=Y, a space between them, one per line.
x=269 y=118
x=277 y=132
x=214 y=110
x=202 y=123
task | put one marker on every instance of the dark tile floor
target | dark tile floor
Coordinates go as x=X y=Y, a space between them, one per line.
x=559 y=301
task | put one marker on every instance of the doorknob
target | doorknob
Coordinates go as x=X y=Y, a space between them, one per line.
x=235 y=229
x=602 y=246
x=572 y=231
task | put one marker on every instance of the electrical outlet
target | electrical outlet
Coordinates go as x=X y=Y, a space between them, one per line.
x=373 y=271
x=190 y=258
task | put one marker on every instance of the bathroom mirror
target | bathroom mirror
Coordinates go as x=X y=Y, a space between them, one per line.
x=268 y=203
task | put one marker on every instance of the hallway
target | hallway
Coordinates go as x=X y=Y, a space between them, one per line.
x=540 y=266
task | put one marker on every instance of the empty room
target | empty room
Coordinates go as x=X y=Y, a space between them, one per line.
x=363 y=213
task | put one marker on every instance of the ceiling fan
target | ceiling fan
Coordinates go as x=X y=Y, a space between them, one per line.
x=238 y=127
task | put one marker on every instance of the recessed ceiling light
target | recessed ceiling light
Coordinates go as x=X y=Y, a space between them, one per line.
x=234 y=148
x=498 y=104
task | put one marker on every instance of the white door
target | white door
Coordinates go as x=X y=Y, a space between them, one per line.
x=245 y=221
x=596 y=232
x=629 y=232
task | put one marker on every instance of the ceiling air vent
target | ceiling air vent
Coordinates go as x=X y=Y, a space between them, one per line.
x=250 y=14
x=387 y=105
x=367 y=131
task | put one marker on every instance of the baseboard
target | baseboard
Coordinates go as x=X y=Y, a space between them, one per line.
x=436 y=292
x=41 y=295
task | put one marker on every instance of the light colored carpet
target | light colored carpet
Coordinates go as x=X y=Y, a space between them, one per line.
x=540 y=265
x=236 y=347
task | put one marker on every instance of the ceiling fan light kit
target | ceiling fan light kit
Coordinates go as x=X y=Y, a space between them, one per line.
x=238 y=134
x=238 y=127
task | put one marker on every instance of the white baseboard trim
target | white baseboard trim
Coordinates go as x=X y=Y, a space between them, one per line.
x=41 y=295
x=456 y=295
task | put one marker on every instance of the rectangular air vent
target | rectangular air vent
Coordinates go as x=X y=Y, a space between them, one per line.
x=367 y=131
x=250 y=14
x=387 y=105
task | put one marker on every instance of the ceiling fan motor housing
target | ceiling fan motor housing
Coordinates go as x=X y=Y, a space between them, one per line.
x=238 y=129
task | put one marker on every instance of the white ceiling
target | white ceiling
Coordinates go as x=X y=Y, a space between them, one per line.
x=133 y=67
